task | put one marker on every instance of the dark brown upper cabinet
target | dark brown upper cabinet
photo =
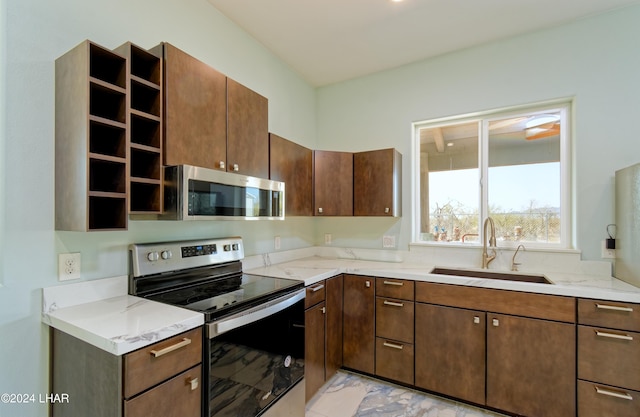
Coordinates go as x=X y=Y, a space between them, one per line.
x=247 y=131
x=333 y=183
x=377 y=183
x=195 y=104
x=292 y=164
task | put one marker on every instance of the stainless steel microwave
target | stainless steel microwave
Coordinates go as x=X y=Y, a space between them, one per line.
x=194 y=193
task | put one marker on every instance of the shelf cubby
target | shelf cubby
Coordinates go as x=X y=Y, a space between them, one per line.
x=145 y=129
x=91 y=139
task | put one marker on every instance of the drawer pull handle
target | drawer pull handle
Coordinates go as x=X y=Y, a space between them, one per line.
x=392 y=345
x=615 y=308
x=317 y=288
x=193 y=382
x=611 y=393
x=614 y=335
x=184 y=342
x=399 y=284
x=391 y=303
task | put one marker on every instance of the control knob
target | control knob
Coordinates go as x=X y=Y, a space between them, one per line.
x=152 y=256
x=166 y=254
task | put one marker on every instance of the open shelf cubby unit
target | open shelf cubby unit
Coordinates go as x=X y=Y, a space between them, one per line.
x=145 y=129
x=92 y=149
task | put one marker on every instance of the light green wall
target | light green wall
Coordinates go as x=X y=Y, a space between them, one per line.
x=36 y=33
x=596 y=61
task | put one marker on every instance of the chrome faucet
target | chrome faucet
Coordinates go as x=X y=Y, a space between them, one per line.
x=486 y=258
x=514 y=265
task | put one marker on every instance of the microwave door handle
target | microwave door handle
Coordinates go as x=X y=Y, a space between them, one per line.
x=254 y=314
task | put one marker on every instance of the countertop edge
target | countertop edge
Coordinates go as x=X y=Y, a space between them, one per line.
x=312 y=270
x=150 y=331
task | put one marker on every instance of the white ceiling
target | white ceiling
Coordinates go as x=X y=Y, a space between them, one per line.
x=328 y=41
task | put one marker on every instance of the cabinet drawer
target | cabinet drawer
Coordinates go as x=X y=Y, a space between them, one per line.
x=394 y=360
x=315 y=294
x=394 y=319
x=177 y=397
x=609 y=356
x=611 y=314
x=153 y=364
x=596 y=400
x=395 y=288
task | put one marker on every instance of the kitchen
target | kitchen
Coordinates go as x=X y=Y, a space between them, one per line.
x=595 y=60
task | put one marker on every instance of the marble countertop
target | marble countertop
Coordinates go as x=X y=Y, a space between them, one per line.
x=101 y=313
x=314 y=269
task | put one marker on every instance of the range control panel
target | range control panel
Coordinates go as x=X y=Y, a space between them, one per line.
x=154 y=258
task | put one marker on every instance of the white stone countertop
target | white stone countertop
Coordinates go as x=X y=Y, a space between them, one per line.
x=101 y=313
x=314 y=269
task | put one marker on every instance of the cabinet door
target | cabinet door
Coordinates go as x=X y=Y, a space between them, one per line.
x=450 y=351
x=333 y=356
x=359 y=322
x=314 y=351
x=195 y=111
x=531 y=366
x=292 y=164
x=333 y=183
x=377 y=183
x=248 y=131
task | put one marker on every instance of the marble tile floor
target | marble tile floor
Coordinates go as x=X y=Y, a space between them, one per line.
x=352 y=395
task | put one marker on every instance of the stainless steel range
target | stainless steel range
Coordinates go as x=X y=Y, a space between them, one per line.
x=254 y=325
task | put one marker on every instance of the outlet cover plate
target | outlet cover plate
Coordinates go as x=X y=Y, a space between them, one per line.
x=69 y=266
x=607 y=253
x=388 y=241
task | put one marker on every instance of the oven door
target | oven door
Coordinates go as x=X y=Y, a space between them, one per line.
x=255 y=358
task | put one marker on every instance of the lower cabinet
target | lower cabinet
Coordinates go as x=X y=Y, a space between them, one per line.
x=160 y=379
x=395 y=330
x=474 y=344
x=451 y=351
x=323 y=333
x=608 y=359
x=359 y=323
x=531 y=366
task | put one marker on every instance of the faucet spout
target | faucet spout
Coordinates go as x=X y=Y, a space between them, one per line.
x=514 y=264
x=486 y=258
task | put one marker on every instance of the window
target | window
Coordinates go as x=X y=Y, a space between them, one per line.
x=512 y=166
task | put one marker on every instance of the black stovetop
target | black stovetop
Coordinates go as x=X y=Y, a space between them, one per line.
x=222 y=296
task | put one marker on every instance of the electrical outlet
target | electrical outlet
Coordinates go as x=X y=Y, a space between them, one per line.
x=276 y=243
x=327 y=238
x=388 y=241
x=68 y=266
x=607 y=253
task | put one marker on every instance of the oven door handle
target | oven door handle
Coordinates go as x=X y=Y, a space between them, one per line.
x=253 y=314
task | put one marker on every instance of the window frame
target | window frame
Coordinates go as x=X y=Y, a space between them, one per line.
x=564 y=106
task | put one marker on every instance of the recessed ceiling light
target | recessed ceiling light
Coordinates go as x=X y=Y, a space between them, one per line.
x=396 y=1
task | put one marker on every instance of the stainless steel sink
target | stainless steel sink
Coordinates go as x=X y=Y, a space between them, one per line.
x=539 y=279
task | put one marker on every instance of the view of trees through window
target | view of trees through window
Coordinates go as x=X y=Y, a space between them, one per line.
x=508 y=168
